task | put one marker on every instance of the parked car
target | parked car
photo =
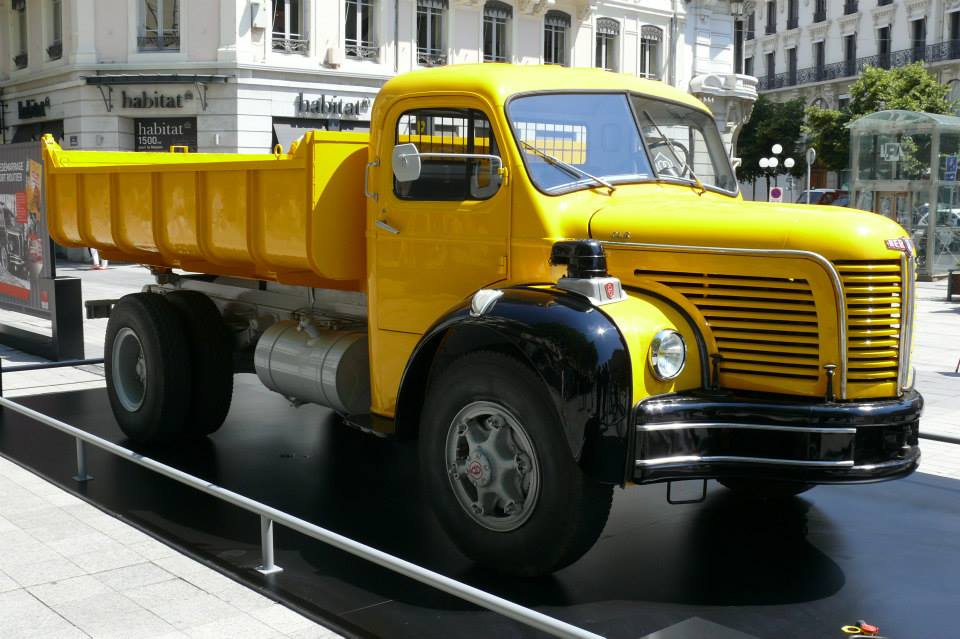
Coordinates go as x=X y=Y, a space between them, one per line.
x=824 y=196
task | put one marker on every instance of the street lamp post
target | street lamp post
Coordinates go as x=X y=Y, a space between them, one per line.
x=772 y=163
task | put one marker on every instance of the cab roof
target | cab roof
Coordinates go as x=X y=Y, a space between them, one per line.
x=498 y=81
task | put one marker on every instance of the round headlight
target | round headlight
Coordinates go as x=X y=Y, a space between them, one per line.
x=668 y=354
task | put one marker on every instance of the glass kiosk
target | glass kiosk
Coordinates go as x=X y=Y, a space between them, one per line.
x=893 y=155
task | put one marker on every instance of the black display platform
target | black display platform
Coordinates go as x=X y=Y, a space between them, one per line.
x=888 y=553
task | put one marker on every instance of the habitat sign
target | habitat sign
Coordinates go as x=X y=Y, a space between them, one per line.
x=332 y=107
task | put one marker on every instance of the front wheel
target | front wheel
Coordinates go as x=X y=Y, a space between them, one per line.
x=495 y=462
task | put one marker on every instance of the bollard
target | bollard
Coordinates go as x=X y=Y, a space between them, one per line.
x=82 y=474
x=267 y=567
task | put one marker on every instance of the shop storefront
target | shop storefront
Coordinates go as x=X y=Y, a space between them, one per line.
x=904 y=166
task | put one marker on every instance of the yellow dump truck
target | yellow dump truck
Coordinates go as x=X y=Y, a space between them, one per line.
x=546 y=275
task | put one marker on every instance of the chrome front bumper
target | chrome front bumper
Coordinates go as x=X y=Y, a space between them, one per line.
x=708 y=435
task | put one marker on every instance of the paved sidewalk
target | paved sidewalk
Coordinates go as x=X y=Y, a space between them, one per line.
x=70 y=570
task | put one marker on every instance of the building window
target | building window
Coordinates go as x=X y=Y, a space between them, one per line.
x=850 y=6
x=793 y=14
x=918 y=38
x=819 y=59
x=650 y=38
x=771 y=68
x=955 y=35
x=360 y=40
x=883 y=47
x=751 y=26
x=771 y=17
x=850 y=54
x=159 y=26
x=748 y=65
x=55 y=50
x=556 y=25
x=289 y=36
x=792 y=66
x=820 y=11
x=430 y=48
x=20 y=55
x=608 y=35
x=496 y=26
x=738 y=46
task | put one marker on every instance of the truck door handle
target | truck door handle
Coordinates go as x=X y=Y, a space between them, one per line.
x=382 y=224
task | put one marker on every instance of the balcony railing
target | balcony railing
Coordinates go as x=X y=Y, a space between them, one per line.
x=159 y=42
x=939 y=52
x=362 y=51
x=431 y=58
x=850 y=6
x=290 y=43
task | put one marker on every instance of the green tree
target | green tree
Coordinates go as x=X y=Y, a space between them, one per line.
x=909 y=88
x=770 y=123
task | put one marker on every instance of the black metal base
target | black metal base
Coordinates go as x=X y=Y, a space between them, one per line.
x=887 y=553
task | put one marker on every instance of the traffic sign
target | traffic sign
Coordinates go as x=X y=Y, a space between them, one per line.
x=776 y=194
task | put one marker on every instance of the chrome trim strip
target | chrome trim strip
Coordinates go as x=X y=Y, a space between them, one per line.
x=827 y=265
x=648 y=428
x=695 y=459
x=907 y=293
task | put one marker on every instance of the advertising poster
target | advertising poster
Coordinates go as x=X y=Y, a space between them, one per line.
x=24 y=241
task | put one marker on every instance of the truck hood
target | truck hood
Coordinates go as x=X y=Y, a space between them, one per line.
x=684 y=218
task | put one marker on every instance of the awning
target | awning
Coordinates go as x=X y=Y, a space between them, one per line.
x=287 y=133
x=34 y=131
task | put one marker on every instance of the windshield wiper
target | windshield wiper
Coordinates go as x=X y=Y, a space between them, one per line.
x=676 y=157
x=569 y=167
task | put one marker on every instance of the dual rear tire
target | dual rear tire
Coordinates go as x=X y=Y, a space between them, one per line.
x=169 y=366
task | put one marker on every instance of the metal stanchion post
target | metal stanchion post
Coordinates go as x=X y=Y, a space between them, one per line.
x=267 y=567
x=82 y=474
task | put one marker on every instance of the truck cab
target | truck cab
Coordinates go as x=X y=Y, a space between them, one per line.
x=545 y=275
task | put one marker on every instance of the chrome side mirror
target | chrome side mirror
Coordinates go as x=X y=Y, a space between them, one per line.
x=405 y=160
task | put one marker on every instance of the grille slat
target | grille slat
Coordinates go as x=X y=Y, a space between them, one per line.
x=874 y=295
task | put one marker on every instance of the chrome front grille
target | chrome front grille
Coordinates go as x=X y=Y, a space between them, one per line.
x=764 y=326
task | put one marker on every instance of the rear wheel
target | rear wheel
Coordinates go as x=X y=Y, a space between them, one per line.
x=495 y=461
x=147 y=368
x=211 y=360
x=765 y=489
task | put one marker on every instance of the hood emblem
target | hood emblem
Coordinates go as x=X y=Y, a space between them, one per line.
x=618 y=235
x=902 y=244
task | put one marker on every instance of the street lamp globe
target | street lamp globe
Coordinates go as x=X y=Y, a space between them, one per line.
x=764 y=163
x=777 y=149
x=789 y=163
x=773 y=162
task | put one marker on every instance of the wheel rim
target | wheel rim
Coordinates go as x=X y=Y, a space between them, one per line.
x=129 y=369
x=492 y=466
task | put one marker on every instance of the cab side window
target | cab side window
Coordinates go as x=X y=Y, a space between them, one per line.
x=449 y=178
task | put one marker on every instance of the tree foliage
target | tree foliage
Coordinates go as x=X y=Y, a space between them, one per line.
x=909 y=88
x=771 y=123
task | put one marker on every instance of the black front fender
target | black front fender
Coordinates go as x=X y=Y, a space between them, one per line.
x=572 y=345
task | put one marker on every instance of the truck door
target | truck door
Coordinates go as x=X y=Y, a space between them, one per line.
x=435 y=239
x=444 y=235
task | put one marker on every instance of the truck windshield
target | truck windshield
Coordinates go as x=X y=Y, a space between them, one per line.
x=599 y=134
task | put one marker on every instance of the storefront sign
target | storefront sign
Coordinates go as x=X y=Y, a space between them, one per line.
x=33 y=108
x=331 y=106
x=154 y=100
x=159 y=134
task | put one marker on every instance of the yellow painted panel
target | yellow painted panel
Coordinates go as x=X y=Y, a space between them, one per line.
x=62 y=216
x=95 y=207
x=389 y=352
x=223 y=225
x=133 y=213
x=176 y=199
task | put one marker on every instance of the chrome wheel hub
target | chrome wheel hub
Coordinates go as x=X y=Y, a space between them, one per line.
x=129 y=370
x=492 y=466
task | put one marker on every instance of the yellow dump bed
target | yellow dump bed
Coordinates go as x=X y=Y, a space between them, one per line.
x=296 y=218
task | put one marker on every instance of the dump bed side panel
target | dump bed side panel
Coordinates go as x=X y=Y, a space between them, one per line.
x=296 y=217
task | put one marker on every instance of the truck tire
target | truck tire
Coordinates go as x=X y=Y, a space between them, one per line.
x=496 y=464
x=147 y=368
x=765 y=489
x=211 y=361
